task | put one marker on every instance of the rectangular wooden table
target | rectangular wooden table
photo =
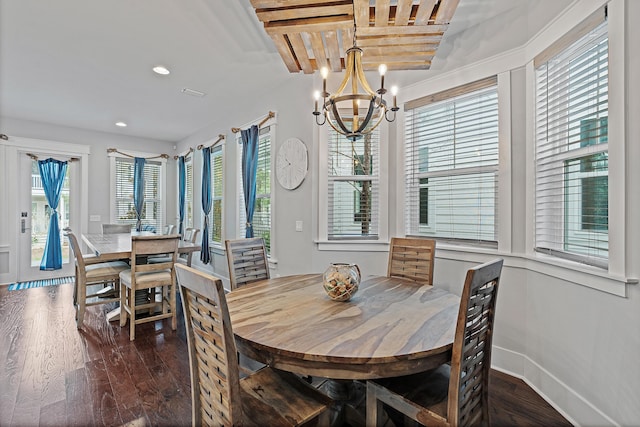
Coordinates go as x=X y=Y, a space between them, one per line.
x=118 y=246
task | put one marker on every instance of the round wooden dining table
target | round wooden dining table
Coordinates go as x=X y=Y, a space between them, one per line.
x=390 y=327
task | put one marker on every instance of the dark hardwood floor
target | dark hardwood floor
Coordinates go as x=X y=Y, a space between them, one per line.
x=52 y=374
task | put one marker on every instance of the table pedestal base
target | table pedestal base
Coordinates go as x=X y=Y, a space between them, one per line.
x=350 y=396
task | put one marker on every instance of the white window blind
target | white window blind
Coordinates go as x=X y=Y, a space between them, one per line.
x=262 y=211
x=451 y=164
x=188 y=201
x=353 y=186
x=215 y=216
x=572 y=184
x=152 y=215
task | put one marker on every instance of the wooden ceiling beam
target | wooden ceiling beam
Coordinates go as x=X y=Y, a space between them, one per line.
x=318 y=50
x=446 y=11
x=361 y=13
x=271 y=15
x=432 y=30
x=271 y=4
x=425 y=11
x=386 y=59
x=309 y=25
x=403 y=11
x=284 y=49
x=310 y=34
x=300 y=51
x=413 y=65
x=406 y=40
x=393 y=51
x=331 y=38
x=382 y=13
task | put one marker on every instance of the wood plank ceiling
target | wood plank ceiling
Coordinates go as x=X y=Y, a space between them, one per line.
x=311 y=34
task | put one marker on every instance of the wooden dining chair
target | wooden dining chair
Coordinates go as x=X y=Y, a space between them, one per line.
x=190 y=235
x=150 y=276
x=116 y=228
x=412 y=258
x=91 y=270
x=455 y=394
x=247 y=260
x=267 y=397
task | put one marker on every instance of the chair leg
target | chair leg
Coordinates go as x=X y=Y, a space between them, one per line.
x=172 y=300
x=81 y=297
x=132 y=318
x=123 y=304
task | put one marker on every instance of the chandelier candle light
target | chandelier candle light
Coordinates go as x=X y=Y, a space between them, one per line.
x=341 y=109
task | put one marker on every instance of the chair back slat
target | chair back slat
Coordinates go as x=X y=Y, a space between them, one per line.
x=213 y=358
x=154 y=245
x=471 y=354
x=412 y=258
x=247 y=260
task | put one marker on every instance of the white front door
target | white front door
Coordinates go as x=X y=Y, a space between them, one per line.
x=34 y=214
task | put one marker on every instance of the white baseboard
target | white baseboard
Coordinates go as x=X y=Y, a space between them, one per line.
x=571 y=405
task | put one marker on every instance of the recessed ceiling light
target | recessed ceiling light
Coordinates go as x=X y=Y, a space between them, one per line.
x=159 y=69
x=121 y=124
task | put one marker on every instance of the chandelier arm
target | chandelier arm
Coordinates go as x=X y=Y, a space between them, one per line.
x=387 y=118
x=323 y=122
x=361 y=77
x=338 y=119
x=340 y=131
x=366 y=120
x=372 y=128
x=349 y=71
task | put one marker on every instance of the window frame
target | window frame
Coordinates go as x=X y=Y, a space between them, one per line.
x=571 y=230
x=217 y=151
x=271 y=124
x=354 y=178
x=162 y=182
x=189 y=200
x=413 y=220
x=381 y=244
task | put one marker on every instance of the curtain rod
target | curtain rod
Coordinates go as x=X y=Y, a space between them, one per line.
x=176 y=157
x=70 y=159
x=269 y=116
x=220 y=138
x=115 y=150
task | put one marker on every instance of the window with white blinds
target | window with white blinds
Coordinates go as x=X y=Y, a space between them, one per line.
x=451 y=164
x=262 y=211
x=152 y=212
x=188 y=201
x=572 y=168
x=353 y=186
x=215 y=216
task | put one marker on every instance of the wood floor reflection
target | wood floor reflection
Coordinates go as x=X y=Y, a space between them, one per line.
x=52 y=374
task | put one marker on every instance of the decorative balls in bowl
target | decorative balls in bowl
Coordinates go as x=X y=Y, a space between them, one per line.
x=341 y=281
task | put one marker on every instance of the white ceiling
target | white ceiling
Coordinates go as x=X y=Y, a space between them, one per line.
x=87 y=63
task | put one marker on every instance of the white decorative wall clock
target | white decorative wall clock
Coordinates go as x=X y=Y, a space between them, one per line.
x=292 y=163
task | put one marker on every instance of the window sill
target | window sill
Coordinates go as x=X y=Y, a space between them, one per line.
x=569 y=271
x=353 y=245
